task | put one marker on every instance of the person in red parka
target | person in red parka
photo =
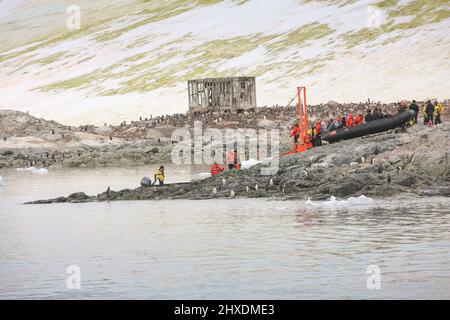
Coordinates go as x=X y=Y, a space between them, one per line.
x=350 y=121
x=295 y=132
x=359 y=119
x=216 y=169
x=318 y=126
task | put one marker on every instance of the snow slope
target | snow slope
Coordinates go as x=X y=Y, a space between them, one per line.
x=133 y=58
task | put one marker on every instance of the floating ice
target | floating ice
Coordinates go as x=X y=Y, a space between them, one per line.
x=350 y=202
x=204 y=174
x=33 y=170
x=26 y=169
x=40 y=171
x=249 y=163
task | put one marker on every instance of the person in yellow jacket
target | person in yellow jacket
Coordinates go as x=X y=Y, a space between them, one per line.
x=424 y=113
x=160 y=176
x=438 y=111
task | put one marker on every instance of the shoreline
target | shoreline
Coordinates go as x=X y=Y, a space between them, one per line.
x=393 y=163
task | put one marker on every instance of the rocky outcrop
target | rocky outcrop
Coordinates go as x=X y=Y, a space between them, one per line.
x=414 y=161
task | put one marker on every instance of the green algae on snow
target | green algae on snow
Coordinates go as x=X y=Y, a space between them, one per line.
x=421 y=12
x=300 y=36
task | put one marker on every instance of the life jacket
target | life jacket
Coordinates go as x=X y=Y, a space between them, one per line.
x=160 y=175
x=216 y=169
x=318 y=127
x=237 y=166
x=350 y=121
x=359 y=119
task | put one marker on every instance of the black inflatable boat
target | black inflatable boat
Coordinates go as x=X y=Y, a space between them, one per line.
x=369 y=127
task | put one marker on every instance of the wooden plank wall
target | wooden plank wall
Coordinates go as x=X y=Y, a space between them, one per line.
x=224 y=93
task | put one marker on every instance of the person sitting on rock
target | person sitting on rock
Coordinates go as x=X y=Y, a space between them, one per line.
x=160 y=176
x=216 y=169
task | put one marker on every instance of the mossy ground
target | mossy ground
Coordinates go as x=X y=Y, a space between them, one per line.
x=173 y=63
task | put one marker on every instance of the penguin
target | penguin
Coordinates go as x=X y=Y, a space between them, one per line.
x=389 y=178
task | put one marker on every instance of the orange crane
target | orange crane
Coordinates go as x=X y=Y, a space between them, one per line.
x=304 y=142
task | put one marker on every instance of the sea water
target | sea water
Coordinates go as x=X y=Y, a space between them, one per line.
x=215 y=249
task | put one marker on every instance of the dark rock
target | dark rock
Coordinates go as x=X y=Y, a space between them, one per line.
x=77 y=196
x=146 y=182
x=6 y=153
x=153 y=150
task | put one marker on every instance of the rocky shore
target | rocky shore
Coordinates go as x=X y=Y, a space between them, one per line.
x=27 y=141
x=404 y=161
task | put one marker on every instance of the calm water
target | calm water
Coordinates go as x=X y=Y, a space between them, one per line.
x=224 y=249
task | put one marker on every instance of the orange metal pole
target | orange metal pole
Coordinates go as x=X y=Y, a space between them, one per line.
x=305 y=110
x=300 y=110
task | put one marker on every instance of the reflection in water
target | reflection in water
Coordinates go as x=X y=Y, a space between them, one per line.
x=223 y=249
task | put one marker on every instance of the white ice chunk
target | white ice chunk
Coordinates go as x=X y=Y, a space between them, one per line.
x=40 y=171
x=350 y=202
x=247 y=164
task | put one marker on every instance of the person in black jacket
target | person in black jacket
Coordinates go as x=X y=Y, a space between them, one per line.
x=413 y=106
x=429 y=111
